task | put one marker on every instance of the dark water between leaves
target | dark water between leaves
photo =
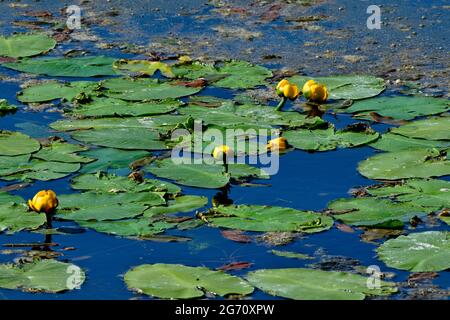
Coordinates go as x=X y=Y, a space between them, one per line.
x=306 y=181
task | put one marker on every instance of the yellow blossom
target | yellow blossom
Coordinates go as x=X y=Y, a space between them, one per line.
x=277 y=144
x=44 y=201
x=315 y=92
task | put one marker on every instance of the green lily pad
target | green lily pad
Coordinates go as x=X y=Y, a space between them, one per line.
x=329 y=139
x=41 y=276
x=429 y=129
x=62 y=152
x=25 y=45
x=121 y=138
x=396 y=142
x=132 y=228
x=143 y=67
x=374 y=212
x=417 y=163
x=16 y=143
x=106 y=206
x=175 y=281
x=399 y=107
x=15 y=217
x=108 y=158
x=231 y=74
x=267 y=219
x=417 y=252
x=203 y=175
x=106 y=107
x=290 y=254
x=430 y=193
x=101 y=182
x=307 y=284
x=179 y=204
x=52 y=90
x=80 y=67
x=346 y=86
x=145 y=89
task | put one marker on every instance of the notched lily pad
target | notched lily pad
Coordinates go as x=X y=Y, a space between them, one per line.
x=16 y=143
x=25 y=45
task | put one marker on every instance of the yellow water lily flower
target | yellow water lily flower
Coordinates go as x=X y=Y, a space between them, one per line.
x=44 y=201
x=287 y=89
x=221 y=152
x=315 y=92
x=277 y=144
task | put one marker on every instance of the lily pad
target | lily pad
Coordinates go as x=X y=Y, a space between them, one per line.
x=417 y=252
x=143 y=67
x=145 y=89
x=62 y=152
x=25 y=45
x=290 y=254
x=179 y=204
x=6 y=107
x=14 y=217
x=399 y=107
x=41 y=276
x=346 y=86
x=101 y=182
x=307 y=284
x=430 y=193
x=106 y=206
x=108 y=107
x=417 y=163
x=52 y=90
x=267 y=219
x=203 y=175
x=175 y=281
x=122 y=138
x=80 y=67
x=329 y=139
x=108 y=158
x=16 y=143
x=429 y=129
x=374 y=212
x=396 y=142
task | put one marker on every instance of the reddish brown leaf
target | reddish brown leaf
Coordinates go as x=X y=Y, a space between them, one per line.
x=194 y=83
x=235 y=266
x=6 y=59
x=236 y=235
x=38 y=14
x=344 y=228
x=272 y=13
x=388 y=120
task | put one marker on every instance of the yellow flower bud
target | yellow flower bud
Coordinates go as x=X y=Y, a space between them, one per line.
x=221 y=151
x=44 y=201
x=277 y=144
x=287 y=90
x=315 y=92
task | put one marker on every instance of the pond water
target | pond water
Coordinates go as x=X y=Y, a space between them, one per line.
x=306 y=181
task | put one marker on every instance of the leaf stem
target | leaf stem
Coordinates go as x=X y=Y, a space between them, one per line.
x=281 y=104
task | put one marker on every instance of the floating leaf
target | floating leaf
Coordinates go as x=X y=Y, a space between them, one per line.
x=203 y=175
x=102 y=182
x=175 y=281
x=177 y=205
x=346 y=86
x=62 y=152
x=16 y=143
x=108 y=158
x=374 y=212
x=25 y=45
x=266 y=219
x=52 y=90
x=145 y=89
x=329 y=139
x=105 y=107
x=307 y=284
x=6 y=107
x=14 y=216
x=417 y=252
x=417 y=163
x=43 y=276
x=399 y=107
x=429 y=129
x=431 y=193
x=79 y=67
x=106 y=206
x=289 y=254
x=121 y=138
x=396 y=142
x=143 y=67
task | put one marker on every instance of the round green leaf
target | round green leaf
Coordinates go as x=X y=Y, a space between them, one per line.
x=417 y=252
x=51 y=90
x=430 y=129
x=16 y=143
x=25 y=45
x=396 y=142
x=177 y=205
x=175 y=281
